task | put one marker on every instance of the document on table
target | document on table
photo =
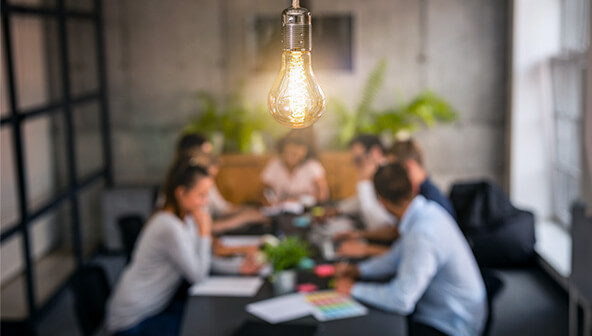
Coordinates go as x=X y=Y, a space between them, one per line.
x=280 y=309
x=227 y=286
x=235 y=241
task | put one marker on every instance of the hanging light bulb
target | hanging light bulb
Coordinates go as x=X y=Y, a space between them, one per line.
x=296 y=99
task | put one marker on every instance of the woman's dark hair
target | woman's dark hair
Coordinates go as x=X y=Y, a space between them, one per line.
x=184 y=172
x=189 y=141
x=392 y=183
x=304 y=137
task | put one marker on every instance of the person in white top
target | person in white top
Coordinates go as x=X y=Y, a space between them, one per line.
x=295 y=173
x=174 y=245
x=367 y=154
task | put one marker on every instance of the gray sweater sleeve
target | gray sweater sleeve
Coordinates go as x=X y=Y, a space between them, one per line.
x=189 y=253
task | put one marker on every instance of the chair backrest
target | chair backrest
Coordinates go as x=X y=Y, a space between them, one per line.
x=129 y=229
x=91 y=291
x=581 y=276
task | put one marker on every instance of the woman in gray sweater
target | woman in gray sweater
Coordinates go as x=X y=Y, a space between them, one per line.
x=174 y=245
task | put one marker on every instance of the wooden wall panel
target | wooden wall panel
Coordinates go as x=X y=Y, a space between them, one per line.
x=239 y=180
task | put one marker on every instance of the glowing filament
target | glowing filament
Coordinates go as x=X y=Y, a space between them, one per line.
x=297 y=87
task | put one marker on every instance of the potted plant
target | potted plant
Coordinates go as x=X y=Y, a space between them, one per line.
x=284 y=257
x=232 y=125
x=427 y=109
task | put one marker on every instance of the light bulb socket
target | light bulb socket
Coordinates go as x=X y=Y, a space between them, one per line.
x=296 y=32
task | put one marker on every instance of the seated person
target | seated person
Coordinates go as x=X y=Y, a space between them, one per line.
x=435 y=274
x=408 y=153
x=367 y=154
x=229 y=260
x=226 y=216
x=169 y=249
x=295 y=173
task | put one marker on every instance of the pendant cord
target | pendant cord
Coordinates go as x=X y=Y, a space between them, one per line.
x=296 y=3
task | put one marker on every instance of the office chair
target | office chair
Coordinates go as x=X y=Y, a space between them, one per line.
x=493 y=286
x=580 y=280
x=91 y=290
x=129 y=230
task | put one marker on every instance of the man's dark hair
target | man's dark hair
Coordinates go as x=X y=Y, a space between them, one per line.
x=392 y=183
x=189 y=141
x=368 y=141
x=406 y=150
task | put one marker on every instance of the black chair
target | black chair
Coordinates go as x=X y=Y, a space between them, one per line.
x=500 y=234
x=580 y=280
x=17 y=328
x=91 y=290
x=493 y=286
x=129 y=230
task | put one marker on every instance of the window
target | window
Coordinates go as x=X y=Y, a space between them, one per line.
x=569 y=87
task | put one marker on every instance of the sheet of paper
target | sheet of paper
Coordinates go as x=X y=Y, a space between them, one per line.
x=227 y=286
x=280 y=309
x=234 y=241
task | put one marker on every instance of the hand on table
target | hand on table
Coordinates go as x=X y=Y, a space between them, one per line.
x=348 y=235
x=353 y=249
x=225 y=251
x=250 y=265
x=344 y=285
x=251 y=215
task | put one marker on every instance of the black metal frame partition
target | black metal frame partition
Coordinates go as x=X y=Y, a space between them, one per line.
x=16 y=118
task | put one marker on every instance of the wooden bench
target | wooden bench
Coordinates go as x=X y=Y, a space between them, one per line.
x=239 y=178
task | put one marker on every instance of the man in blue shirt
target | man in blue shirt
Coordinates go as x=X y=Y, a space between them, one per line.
x=435 y=274
x=409 y=154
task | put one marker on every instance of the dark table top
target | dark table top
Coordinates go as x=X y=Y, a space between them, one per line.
x=223 y=316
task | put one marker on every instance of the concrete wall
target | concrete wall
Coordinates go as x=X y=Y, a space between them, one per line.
x=160 y=53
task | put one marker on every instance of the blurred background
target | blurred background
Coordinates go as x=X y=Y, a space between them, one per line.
x=95 y=94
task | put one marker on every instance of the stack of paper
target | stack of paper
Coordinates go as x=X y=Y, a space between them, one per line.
x=227 y=286
x=323 y=305
x=280 y=309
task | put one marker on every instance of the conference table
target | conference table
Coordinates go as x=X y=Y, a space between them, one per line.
x=225 y=316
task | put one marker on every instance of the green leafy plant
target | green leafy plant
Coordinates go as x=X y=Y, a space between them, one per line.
x=286 y=254
x=425 y=109
x=233 y=118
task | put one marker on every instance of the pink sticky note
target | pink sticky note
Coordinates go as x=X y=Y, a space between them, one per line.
x=325 y=270
x=307 y=288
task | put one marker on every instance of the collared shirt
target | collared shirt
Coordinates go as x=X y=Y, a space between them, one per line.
x=436 y=273
x=431 y=192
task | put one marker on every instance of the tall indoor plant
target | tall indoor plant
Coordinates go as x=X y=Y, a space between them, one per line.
x=427 y=108
x=231 y=124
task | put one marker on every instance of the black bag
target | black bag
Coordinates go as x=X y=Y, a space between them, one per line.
x=499 y=234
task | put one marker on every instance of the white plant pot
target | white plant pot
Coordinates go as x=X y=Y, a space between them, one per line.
x=284 y=282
